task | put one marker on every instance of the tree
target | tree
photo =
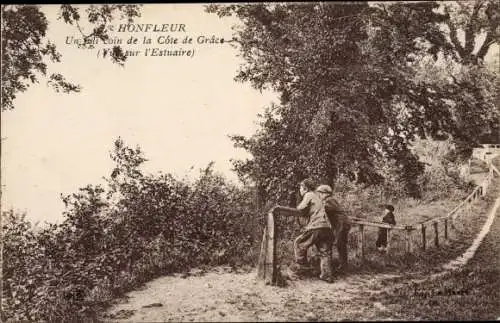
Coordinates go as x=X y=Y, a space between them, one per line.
x=24 y=47
x=349 y=98
x=334 y=103
x=480 y=22
x=465 y=86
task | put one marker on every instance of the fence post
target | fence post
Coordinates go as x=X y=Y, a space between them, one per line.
x=271 y=252
x=361 y=242
x=261 y=267
x=424 y=240
x=408 y=248
x=455 y=215
x=267 y=269
x=486 y=183
x=388 y=247
x=436 y=234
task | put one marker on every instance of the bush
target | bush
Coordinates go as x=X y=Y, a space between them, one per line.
x=114 y=238
x=443 y=162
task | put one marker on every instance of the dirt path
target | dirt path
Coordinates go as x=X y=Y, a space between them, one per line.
x=227 y=296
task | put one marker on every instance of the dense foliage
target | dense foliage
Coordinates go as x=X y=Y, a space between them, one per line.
x=25 y=48
x=115 y=237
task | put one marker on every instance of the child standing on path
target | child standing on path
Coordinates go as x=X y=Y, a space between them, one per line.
x=382 y=232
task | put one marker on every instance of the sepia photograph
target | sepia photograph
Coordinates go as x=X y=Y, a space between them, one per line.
x=250 y=162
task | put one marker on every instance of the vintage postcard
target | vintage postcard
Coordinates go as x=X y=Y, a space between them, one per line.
x=281 y=161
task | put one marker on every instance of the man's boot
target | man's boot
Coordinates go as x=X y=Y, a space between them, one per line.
x=326 y=269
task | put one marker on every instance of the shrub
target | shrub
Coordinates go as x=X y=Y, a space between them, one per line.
x=441 y=177
x=116 y=237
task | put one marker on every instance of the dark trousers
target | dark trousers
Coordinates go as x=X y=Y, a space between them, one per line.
x=342 y=244
x=382 y=238
x=321 y=238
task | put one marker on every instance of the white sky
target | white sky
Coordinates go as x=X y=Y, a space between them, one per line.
x=179 y=110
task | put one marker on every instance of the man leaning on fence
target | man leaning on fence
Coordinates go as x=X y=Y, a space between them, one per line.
x=317 y=233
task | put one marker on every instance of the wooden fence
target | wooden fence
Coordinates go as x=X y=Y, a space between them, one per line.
x=438 y=228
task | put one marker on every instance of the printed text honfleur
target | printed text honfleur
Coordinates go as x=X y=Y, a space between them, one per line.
x=159 y=28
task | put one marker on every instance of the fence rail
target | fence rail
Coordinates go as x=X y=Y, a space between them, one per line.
x=268 y=268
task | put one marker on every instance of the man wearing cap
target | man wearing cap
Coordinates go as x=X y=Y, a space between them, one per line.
x=339 y=222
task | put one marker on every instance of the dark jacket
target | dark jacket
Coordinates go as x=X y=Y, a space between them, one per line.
x=389 y=218
x=337 y=216
x=382 y=232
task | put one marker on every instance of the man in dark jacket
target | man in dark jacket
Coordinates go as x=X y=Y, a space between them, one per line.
x=339 y=222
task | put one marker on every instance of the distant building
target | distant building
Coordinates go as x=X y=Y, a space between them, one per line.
x=484 y=151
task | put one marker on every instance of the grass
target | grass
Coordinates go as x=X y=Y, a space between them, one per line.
x=477 y=166
x=472 y=293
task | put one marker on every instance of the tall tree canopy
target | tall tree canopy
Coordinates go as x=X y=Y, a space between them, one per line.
x=479 y=21
x=25 y=48
x=350 y=99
